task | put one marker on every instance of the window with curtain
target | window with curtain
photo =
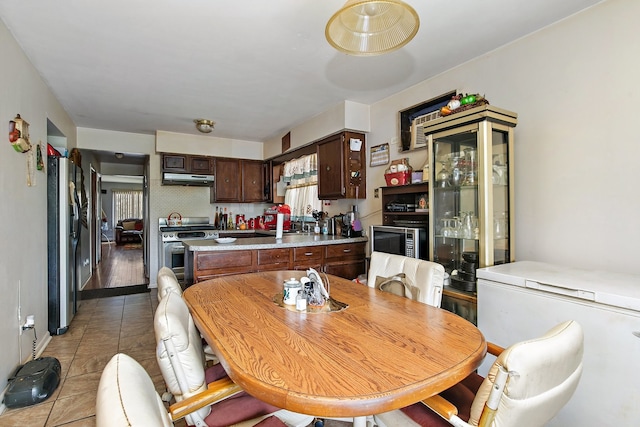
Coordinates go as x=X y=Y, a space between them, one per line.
x=126 y=204
x=301 y=176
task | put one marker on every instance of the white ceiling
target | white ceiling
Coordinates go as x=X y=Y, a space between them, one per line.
x=255 y=67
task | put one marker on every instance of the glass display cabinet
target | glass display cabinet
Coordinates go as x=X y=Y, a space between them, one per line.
x=471 y=192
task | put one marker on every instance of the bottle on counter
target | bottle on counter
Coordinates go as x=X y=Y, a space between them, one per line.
x=216 y=219
x=230 y=224
x=223 y=220
x=316 y=229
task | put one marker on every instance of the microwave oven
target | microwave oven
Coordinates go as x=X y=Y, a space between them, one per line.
x=405 y=241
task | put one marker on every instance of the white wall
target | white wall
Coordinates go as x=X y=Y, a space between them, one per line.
x=23 y=254
x=575 y=88
x=207 y=145
x=346 y=115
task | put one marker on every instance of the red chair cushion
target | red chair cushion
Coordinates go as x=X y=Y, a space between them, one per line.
x=214 y=373
x=460 y=395
x=237 y=408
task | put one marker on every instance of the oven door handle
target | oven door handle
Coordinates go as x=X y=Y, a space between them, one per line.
x=175 y=249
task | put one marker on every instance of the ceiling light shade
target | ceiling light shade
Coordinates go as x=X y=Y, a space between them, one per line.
x=372 y=27
x=204 y=125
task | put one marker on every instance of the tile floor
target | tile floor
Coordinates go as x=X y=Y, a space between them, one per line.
x=101 y=328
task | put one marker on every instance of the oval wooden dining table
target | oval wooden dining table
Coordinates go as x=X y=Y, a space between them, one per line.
x=380 y=353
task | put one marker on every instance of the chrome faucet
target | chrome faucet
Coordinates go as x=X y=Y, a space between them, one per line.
x=306 y=227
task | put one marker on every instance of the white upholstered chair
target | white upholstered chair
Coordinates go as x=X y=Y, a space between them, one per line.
x=526 y=387
x=180 y=357
x=426 y=276
x=167 y=282
x=127 y=398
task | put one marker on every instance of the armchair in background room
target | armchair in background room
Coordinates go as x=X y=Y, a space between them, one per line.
x=129 y=231
x=414 y=278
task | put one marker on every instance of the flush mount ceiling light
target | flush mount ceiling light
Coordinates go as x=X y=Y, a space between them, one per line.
x=372 y=27
x=204 y=125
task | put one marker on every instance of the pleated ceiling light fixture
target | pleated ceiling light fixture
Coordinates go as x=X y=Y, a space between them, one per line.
x=204 y=125
x=372 y=27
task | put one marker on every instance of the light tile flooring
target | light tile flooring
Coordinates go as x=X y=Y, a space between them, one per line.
x=101 y=328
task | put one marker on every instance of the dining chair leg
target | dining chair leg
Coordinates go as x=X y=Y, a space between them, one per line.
x=359 y=421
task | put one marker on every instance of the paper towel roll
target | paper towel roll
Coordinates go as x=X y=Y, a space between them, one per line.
x=279 y=225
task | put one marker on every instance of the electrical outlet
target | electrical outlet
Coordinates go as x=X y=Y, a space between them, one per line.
x=376 y=193
x=30 y=323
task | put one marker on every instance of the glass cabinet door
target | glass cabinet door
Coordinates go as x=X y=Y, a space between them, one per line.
x=455 y=206
x=471 y=197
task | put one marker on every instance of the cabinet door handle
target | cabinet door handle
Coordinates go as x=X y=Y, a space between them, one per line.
x=346 y=251
x=308 y=253
x=253 y=182
x=226 y=180
x=328 y=168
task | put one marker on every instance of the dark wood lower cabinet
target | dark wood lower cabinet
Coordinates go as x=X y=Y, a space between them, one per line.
x=344 y=260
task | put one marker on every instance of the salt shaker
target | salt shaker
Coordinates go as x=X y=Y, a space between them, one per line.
x=301 y=301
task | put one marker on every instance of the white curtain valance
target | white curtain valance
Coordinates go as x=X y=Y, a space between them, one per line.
x=303 y=170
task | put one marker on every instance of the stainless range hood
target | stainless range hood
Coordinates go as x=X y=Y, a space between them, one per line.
x=187 y=179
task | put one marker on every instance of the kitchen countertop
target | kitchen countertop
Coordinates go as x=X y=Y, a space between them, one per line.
x=289 y=240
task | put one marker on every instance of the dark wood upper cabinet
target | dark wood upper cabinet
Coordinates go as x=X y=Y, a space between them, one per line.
x=240 y=181
x=174 y=163
x=252 y=181
x=227 y=182
x=185 y=163
x=176 y=167
x=201 y=165
x=341 y=170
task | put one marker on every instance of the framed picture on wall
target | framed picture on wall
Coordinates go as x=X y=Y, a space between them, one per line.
x=379 y=155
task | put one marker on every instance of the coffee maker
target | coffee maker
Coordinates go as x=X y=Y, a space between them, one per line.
x=351 y=226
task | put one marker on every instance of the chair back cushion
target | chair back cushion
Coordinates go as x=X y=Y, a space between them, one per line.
x=544 y=373
x=174 y=327
x=426 y=276
x=167 y=282
x=127 y=397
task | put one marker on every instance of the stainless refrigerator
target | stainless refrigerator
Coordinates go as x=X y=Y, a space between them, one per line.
x=63 y=235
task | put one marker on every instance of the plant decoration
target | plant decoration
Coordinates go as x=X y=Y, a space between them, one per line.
x=464 y=102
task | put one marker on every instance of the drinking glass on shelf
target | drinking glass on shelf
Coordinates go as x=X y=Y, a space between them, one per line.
x=469 y=225
x=443 y=177
x=500 y=226
x=471 y=174
x=447 y=229
x=457 y=171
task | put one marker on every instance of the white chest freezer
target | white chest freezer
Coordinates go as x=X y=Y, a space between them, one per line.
x=522 y=300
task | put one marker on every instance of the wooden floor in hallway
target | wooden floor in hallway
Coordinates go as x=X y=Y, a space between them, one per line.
x=121 y=265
